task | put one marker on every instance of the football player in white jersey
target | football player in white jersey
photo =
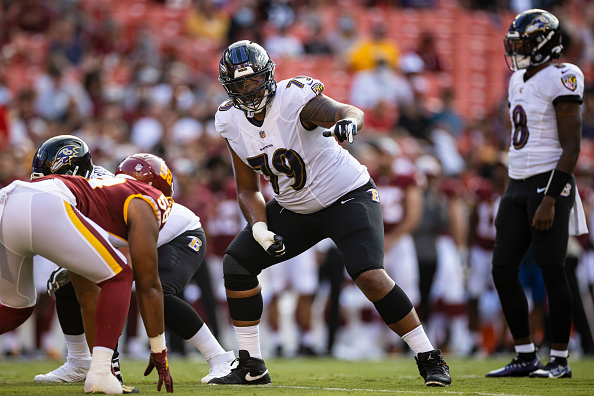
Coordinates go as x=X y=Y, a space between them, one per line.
x=545 y=109
x=181 y=248
x=321 y=191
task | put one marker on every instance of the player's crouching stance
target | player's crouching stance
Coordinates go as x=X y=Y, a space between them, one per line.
x=181 y=249
x=321 y=191
x=82 y=216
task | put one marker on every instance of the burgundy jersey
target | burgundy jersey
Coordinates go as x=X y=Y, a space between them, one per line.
x=105 y=201
x=392 y=193
x=487 y=204
x=226 y=220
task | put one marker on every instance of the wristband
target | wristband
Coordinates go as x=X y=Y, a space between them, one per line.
x=262 y=235
x=557 y=183
x=158 y=343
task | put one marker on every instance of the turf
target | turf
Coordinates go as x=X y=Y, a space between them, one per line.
x=318 y=376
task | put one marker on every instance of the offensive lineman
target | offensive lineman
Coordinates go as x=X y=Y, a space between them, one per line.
x=544 y=106
x=320 y=191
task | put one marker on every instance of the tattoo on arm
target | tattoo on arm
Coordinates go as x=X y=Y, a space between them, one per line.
x=321 y=111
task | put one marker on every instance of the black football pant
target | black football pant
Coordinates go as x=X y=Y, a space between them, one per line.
x=179 y=260
x=514 y=235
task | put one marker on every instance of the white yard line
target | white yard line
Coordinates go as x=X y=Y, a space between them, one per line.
x=388 y=390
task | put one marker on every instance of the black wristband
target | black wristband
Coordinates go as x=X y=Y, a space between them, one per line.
x=557 y=183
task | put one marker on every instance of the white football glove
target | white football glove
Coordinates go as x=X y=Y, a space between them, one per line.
x=271 y=242
x=344 y=129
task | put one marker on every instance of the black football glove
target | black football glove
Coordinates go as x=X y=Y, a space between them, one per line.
x=344 y=129
x=57 y=279
x=271 y=242
x=277 y=249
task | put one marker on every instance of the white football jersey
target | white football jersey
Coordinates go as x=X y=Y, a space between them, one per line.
x=180 y=220
x=100 y=172
x=306 y=170
x=535 y=144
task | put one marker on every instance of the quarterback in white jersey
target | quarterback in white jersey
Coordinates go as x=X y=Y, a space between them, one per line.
x=535 y=146
x=545 y=110
x=285 y=132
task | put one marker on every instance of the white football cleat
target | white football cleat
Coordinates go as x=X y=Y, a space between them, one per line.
x=74 y=370
x=220 y=366
x=102 y=382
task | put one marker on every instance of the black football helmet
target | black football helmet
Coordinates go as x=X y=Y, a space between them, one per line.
x=62 y=155
x=149 y=169
x=533 y=38
x=247 y=74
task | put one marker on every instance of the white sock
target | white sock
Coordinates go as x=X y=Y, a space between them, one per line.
x=307 y=338
x=101 y=361
x=224 y=357
x=77 y=346
x=248 y=339
x=417 y=340
x=559 y=354
x=206 y=343
x=525 y=348
x=276 y=338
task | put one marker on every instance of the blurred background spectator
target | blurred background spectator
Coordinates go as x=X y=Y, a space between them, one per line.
x=141 y=75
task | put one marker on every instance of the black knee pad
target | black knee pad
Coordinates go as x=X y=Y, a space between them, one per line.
x=246 y=309
x=394 y=306
x=236 y=277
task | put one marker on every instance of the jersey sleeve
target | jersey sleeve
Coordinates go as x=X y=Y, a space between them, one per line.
x=566 y=84
x=100 y=172
x=222 y=116
x=296 y=92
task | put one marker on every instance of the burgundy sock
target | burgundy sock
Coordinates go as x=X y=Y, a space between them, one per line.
x=112 y=308
x=11 y=318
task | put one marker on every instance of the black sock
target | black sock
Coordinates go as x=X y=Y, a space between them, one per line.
x=562 y=361
x=528 y=357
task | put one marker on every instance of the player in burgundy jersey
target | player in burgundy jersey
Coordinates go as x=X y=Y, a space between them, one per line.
x=71 y=221
x=486 y=194
x=181 y=247
x=402 y=206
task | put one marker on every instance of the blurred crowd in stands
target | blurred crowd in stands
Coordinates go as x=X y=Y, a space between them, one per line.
x=131 y=76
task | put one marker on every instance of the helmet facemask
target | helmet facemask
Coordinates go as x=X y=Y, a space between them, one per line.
x=533 y=39
x=247 y=74
x=252 y=92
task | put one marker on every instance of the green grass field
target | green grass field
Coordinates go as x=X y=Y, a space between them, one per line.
x=318 y=377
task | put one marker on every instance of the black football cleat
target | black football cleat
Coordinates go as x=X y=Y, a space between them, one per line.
x=555 y=368
x=518 y=367
x=249 y=371
x=433 y=368
x=115 y=367
x=126 y=390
